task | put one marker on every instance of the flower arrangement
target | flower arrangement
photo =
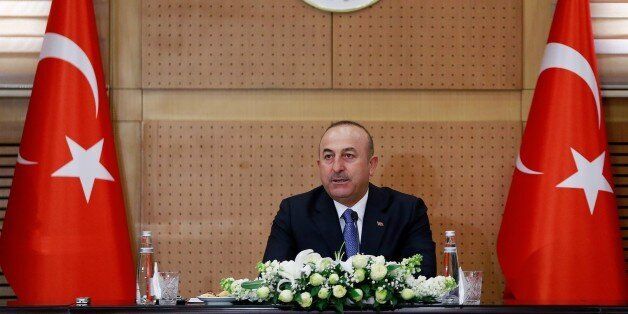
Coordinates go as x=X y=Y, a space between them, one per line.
x=313 y=282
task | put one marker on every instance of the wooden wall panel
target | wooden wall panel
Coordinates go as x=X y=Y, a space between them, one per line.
x=432 y=44
x=212 y=188
x=536 y=25
x=126 y=44
x=474 y=44
x=235 y=44
x=325 y=105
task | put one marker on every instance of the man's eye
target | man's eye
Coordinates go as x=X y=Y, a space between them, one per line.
x=349 y=156
x=327 y=157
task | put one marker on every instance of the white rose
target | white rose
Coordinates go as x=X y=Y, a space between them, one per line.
x=263 y=292
x=316 y=279
x=313 y=258
x=285 y=296
x=378 y=272
x=407 y=294
x=379 y=260
x=323 y=293
x=333 y=279
x=360 y=261
x=359 y=275
x=339 y=291
x=380 y=296
x=306 y=299
x=323 y=264
x=357 y=295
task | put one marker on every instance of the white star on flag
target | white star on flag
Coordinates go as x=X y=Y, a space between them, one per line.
x=85 y=165
x=589 y=178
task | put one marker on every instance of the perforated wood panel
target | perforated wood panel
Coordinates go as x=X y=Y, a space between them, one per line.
x=235 y=44
x=212 y=188
x=433 y=44
x=473 y=44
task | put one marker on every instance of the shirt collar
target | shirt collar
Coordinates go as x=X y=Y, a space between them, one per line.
x=359 y=207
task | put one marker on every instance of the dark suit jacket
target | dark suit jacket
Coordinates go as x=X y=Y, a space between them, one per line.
x=310 y=221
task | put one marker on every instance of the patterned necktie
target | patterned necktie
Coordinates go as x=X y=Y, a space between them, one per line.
x=350 y=233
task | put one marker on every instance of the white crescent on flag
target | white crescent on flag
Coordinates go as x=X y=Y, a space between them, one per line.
x=22 y=161
x=523 y=168
x=564 y=57
x=60 y=47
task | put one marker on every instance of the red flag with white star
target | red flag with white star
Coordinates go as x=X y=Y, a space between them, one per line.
x=65 y=231
x=559 y=241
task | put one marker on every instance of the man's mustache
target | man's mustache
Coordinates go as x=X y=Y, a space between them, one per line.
x=339 y=177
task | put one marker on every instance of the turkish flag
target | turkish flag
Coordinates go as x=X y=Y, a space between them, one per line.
x=65 y=232
x=559 y=241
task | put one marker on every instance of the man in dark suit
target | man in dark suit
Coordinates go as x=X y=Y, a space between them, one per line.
x=348 y=210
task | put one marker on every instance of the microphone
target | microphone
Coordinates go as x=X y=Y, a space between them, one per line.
x=354 y=215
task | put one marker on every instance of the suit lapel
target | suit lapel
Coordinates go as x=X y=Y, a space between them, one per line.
x=325 y=218
x=375 y=220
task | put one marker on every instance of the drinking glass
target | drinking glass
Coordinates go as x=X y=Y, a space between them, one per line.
x=169 y=285
x=472 y=286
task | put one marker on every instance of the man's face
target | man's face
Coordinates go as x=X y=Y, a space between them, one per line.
x=344 y=163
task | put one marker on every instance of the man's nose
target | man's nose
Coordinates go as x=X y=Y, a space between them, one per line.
x=338 y=165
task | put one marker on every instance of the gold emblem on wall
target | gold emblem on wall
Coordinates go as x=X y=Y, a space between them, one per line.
x=340 y=5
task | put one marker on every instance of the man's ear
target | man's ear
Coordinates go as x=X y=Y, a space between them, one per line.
x=373 y=165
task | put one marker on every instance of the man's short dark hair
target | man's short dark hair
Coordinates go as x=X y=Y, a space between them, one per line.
x=353 y=123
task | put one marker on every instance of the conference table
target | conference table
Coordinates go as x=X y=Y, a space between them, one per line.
x=196 y=308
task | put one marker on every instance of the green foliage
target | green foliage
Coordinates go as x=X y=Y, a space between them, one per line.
x=413 y=263
x=367 y=291
x=393 y=300
x=339 y=305
x=284 y=286
x=354 y=294
x=377 y=307
x=340 y=253
x=252 y=285
x=450 y=283
x=392 y=267
x=314 y=291
x=225 y=284
x=321 y=304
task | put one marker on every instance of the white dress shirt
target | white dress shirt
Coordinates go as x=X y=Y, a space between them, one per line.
x=359 y=208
